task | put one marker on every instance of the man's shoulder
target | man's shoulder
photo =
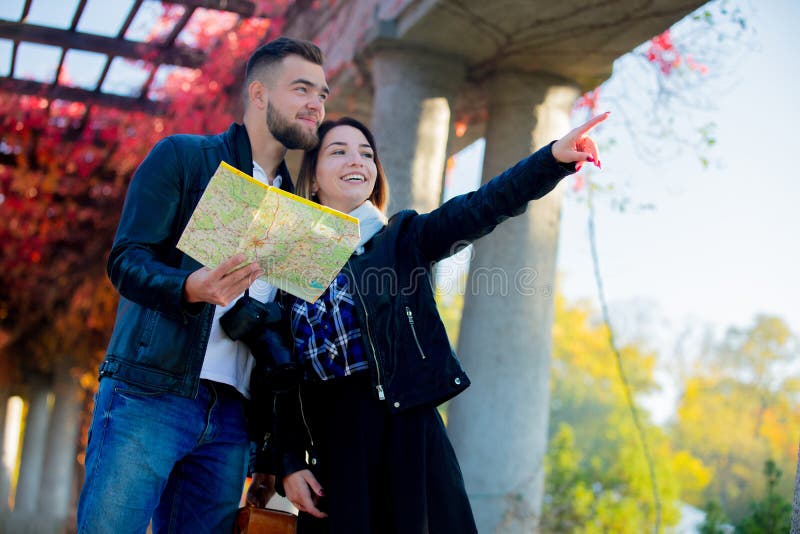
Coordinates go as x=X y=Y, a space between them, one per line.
x=194 y=141
x=231 y=136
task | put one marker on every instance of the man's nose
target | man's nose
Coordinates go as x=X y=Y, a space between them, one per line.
x=316 y=103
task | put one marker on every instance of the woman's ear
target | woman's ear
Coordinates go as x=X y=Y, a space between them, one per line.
x=314 y=187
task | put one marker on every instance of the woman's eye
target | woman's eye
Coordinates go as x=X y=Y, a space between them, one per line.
x=368 y=155
x=337 y=152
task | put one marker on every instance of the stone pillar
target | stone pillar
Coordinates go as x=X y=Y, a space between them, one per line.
x=411 y=120
x=62 y=443
x=499 y=425
x=33 y=447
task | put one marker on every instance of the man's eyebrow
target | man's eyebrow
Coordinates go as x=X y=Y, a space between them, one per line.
x=303 y=81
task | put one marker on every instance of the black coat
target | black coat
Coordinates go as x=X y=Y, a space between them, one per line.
x=411 y=360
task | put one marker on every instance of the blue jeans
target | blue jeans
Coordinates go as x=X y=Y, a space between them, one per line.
x=152 y=455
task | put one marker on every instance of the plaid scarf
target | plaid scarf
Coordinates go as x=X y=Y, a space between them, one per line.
x=327 y=334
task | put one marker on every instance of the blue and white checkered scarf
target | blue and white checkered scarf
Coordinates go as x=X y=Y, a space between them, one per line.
x=327 y=333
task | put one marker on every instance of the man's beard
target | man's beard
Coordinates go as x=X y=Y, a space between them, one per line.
x=292 y=136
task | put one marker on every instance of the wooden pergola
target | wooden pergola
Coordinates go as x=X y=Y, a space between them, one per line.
x=164 y=52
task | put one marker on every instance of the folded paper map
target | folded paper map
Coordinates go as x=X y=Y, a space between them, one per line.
x=300 y=244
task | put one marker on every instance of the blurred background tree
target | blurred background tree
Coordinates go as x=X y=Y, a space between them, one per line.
x=740 y=409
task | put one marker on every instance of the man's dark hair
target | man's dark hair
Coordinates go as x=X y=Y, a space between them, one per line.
x=273 y=52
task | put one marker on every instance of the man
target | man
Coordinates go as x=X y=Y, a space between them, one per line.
x=168 y=439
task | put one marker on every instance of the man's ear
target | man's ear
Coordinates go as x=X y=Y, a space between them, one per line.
x=257 y=94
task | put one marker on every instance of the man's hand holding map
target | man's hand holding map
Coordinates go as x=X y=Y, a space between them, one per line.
x=300 y=245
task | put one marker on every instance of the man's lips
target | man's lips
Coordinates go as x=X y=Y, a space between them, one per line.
x=310 y=120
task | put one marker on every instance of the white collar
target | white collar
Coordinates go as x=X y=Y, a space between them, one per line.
x=261 y=176
x=370 y=221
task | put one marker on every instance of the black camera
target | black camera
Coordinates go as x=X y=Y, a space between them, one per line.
x=253 y=322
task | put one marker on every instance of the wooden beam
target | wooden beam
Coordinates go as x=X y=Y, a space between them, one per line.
x=129 y=19
x=26 y=9
x=179 y=26
x=78 y=13
x=174 y=55
x=76 y=94
x=14 y=49
x=245 y=8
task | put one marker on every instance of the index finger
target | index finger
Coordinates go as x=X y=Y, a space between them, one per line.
x=591 y=123
x=231 y=263
x=311 y=480
x=313 y=510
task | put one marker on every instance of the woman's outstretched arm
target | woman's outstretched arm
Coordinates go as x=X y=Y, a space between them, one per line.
x=465 y=218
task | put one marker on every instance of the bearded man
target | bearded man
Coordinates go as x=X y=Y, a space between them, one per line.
x=169 y=440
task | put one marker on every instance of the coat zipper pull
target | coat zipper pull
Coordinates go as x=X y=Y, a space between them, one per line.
x=379 y=387
x=414 y=331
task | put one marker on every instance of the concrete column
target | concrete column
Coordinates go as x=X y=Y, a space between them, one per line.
x=411 y=121
x=33 y=448
x=499 y=425
x=62 y=443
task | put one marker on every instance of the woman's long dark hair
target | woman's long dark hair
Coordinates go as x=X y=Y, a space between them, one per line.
x=380 y=193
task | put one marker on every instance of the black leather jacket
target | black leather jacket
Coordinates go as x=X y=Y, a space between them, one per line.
x=159 y=341
x=411 y=360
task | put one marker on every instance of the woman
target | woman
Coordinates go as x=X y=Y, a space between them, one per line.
x=361 y=445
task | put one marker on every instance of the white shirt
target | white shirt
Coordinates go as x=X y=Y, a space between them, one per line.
x=226 y=360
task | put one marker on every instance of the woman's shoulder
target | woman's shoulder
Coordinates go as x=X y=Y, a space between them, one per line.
x=401 y=216
x=400 y=223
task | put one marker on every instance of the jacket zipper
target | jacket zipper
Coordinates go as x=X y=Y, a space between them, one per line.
x=414 y=331
x=305 y=423
x=379 y=387
x=300 y=397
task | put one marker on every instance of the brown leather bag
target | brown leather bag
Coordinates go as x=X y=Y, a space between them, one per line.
x=251 y=520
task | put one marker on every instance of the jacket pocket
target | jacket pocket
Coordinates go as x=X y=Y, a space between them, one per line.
x=410 y=317
x=146 y=337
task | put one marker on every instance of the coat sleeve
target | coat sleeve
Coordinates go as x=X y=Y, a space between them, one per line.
x=465 y=218
x=283 y=451
x=145 y=238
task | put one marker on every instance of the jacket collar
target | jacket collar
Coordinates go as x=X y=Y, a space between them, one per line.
x=239 y=141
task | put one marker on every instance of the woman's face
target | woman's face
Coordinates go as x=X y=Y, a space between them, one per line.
x=346 y=171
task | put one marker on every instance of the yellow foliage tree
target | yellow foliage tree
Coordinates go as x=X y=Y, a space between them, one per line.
x=739 y=410
x=598 y=479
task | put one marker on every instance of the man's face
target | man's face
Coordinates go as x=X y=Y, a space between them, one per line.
x=296 y=103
